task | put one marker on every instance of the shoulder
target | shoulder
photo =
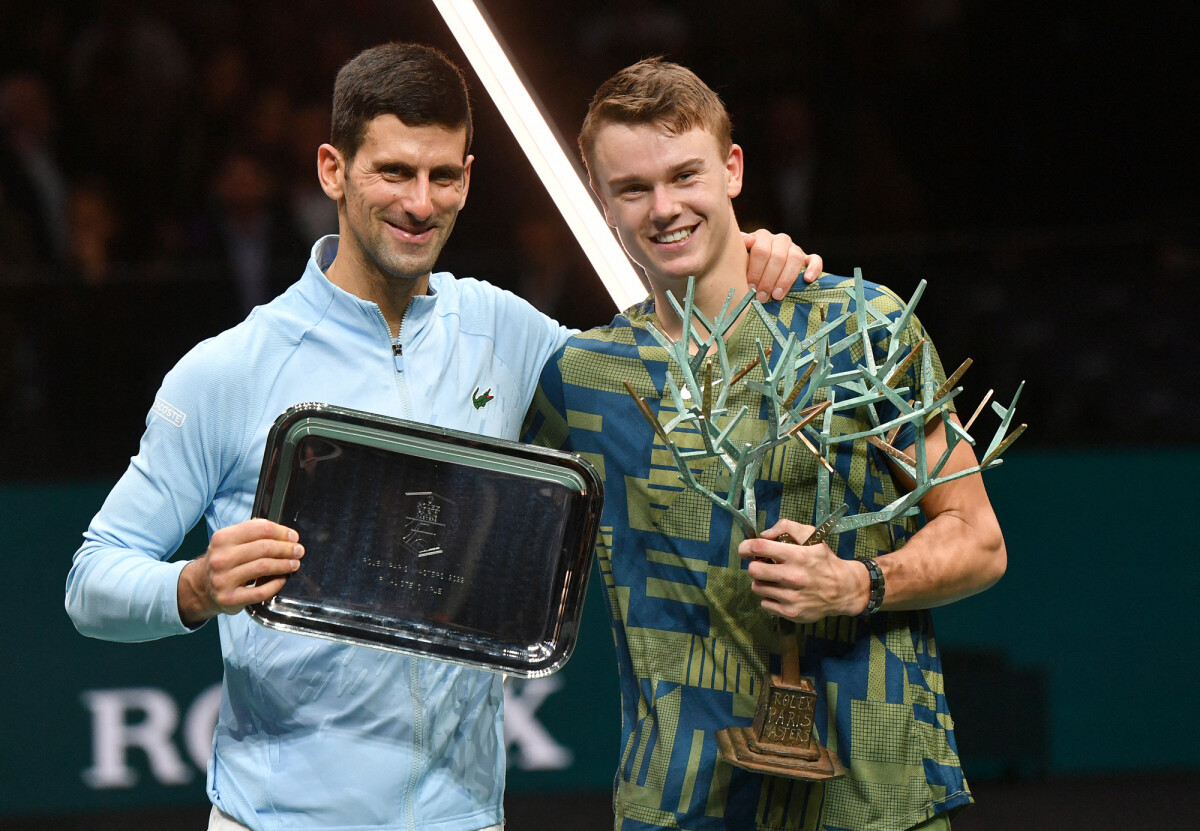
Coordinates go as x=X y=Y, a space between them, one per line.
x=471 y=298
x=486 y=310
x=240 y=362
x=281 y=323
x=214 y=358
x=829 y=287
x=625 y=335
x=604 y=358
x=835 y=295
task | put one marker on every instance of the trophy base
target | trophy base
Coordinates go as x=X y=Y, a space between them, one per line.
x=781 y=740
x=735 y=745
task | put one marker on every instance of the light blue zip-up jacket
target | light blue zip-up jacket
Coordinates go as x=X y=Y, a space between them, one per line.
x=314 y=734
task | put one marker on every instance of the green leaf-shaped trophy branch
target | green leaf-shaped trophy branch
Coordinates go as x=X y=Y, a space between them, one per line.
x=700 y=380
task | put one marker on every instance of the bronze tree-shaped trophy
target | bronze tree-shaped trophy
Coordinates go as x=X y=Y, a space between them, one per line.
x=781 y=739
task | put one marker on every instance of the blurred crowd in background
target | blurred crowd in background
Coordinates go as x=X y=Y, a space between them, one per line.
x=1030 y=160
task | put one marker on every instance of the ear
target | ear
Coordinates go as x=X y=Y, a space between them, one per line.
x=331 y=171
x=733 y=171
x=462 y=200
x=603 y=204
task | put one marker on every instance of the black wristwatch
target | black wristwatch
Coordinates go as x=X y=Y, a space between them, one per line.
x=876 y=598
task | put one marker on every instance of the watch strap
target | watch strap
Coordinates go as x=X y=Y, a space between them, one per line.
x=877 y=587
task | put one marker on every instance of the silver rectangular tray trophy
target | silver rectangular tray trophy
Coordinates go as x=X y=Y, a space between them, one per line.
x=429 y=541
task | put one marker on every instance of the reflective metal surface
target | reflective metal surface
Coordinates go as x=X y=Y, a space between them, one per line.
x=433 y=542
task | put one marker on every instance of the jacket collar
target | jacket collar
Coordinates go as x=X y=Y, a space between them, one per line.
x=323 y=294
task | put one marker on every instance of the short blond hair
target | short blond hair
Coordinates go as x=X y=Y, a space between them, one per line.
x=655 y=91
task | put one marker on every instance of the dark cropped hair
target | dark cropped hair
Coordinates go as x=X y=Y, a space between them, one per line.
x=658 y=92
x=416 y=83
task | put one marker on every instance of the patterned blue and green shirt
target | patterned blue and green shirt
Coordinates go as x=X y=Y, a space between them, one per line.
x=694 y=645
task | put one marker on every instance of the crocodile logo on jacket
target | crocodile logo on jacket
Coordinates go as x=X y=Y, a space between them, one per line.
x=481 y=400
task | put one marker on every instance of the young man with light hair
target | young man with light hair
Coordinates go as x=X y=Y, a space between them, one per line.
x=693 y=603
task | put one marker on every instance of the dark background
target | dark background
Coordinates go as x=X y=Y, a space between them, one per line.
x=1034 y=162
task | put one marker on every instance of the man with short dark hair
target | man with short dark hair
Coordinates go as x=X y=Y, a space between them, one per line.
x=314 y=734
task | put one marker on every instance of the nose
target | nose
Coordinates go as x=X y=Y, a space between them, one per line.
x=416 y=199
x=664 y=206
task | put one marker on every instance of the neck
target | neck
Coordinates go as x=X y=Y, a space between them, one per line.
x=390 y=294
x=712 y=288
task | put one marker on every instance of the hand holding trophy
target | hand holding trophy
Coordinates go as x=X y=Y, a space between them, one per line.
x=803 y=393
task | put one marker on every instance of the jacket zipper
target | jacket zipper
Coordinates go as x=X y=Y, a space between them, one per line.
x=398 y=362
x=414 y=675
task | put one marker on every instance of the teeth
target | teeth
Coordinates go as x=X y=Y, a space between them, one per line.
x=674 y=236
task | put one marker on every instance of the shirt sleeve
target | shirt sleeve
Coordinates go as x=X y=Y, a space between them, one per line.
x=121 y=586
x=546 y=421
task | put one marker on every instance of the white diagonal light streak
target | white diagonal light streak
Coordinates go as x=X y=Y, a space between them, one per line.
x=543 y=149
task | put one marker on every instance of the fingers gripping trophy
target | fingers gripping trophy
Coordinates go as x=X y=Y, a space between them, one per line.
x=803 y=393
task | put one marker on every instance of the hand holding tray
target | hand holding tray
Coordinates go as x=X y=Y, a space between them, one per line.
x=429 y=541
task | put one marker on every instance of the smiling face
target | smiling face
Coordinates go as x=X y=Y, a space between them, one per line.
x=669 y=198
x=398 y=198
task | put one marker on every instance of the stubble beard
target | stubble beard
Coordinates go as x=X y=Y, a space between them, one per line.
x=390 y=259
